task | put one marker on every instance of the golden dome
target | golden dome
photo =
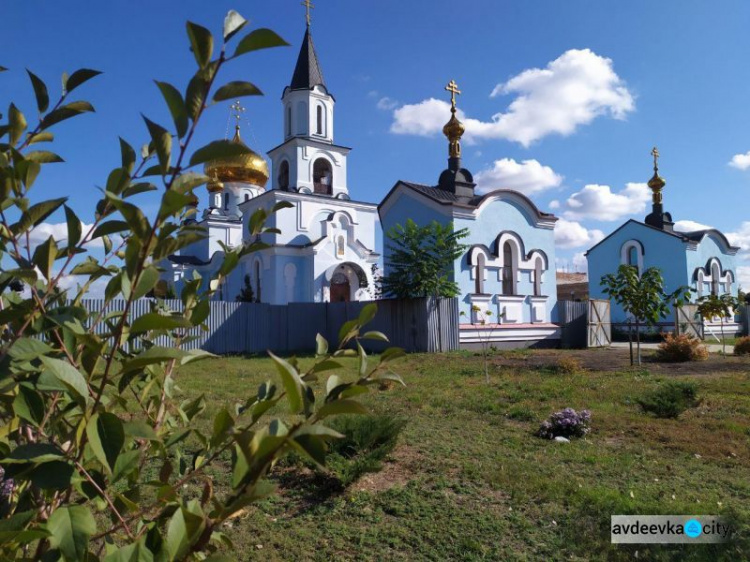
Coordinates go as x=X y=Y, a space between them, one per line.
x=454 y=129
x=245 y=168
x=656 y=182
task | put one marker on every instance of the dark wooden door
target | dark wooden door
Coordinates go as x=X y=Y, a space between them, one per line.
x=340 y=292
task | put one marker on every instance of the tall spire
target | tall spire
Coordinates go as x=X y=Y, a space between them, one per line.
x=456 y=179
x=307 y=73
x=454 y=129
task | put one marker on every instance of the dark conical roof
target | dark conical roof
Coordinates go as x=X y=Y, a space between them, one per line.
x=307 y=73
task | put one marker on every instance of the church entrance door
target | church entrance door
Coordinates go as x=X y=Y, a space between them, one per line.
x=340 y=288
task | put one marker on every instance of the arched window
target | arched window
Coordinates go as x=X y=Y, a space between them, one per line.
x=340 y=246
x=319 y=128
x=257 y=281
x=633 y=256
x=538 y=278
x=479 y=275
x=289 y=121
x=284 y=175
x=247 y=197
x=715 y=274
x=322 y=177
x=509 y=281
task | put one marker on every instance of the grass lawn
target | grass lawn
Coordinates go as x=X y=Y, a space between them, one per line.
x=470 y=481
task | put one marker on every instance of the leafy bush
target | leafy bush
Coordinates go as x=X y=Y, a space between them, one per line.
x=568 y=366
x=99 y=453
x=670 y=400
x=367 y=441
x=677 y=349
x=742 y=346
x=567 y=423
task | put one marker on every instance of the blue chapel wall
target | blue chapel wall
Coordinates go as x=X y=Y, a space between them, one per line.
x=499 y=216
x=711 y=247
x=408 y=207
x=661 y=249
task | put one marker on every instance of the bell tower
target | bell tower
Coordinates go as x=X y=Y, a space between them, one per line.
x=308 y=161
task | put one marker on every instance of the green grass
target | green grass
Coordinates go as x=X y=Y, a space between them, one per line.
x=469 y=481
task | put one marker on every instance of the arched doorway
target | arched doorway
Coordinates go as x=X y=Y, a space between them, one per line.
x=345 y=281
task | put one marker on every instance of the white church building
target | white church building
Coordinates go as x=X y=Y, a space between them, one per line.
x=323 y=247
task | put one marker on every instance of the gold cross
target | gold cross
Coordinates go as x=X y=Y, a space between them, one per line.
x=308 y=6
x=655 y=154
x=452 y=87
x=238 y=110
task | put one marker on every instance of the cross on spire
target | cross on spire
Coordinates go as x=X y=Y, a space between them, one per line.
x=237 y=111
x=308 y=6
x=655 y=154
x=452 y=87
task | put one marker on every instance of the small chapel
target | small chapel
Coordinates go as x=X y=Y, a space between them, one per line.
x=702 y=260
x=323 y=245
x=507 y=274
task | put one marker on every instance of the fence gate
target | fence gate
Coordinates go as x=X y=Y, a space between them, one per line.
x=600 y=324
x=688 y=321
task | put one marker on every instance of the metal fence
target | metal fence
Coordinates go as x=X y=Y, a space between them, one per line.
x=417 y=325
x=574 y=322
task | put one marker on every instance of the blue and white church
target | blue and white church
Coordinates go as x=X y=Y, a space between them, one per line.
x=323 y=247
x=509 y=266
x=703 y=260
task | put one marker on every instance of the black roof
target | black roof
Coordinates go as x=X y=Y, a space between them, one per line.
x=307 y=73
x=187 y=260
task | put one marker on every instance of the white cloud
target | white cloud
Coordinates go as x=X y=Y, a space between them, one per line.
x=743 y=277
x=740 y=161
x=571 y=91
x=690 y=226
x=741 y=238
x=580 y=263
x=569 y=234
x=59 y=231
x=599 y=202
x=387 y=104
x=527 y=177
x=554 y=204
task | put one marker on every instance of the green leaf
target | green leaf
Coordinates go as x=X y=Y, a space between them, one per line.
x=44 y=257
x=55 y=475
x=162 y=141
x=236 y=89
x=138 y=429
x=341 y=407
x=68 y=375
x=259 y=39
x=176 y=107
x=149 y=278
x=185 y=183
x=373 y=335
x=125 y=464
x=233 y=23
x=368 y=313
x=66 y=112
x=26 y=349
x=110 y=227
x=70 y=530
x=43 y=157
x=291 y=381
x=201 y=43
x=155 y=321
x=183 y=530
x=78 y=78
x=218 y=150
x=106 y=437
x=45 y=136
x=28 y=172
x=37 y=453
x=127 y=155
x=195 y=96
x=29 y=405
x=16 y=124
x=321 y=345
x=40 y=91
x=75 y=229
x=134 y=552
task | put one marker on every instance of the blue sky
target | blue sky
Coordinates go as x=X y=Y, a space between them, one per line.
x=583 y=90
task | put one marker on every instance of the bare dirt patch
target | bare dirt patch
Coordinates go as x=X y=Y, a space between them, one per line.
x=398 y=470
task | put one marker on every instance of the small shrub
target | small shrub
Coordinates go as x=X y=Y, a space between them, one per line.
x=681 y=348
x=367 y=441
x=567 y=423
x=568 y=366
x=742 y=346
x=670 y=400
